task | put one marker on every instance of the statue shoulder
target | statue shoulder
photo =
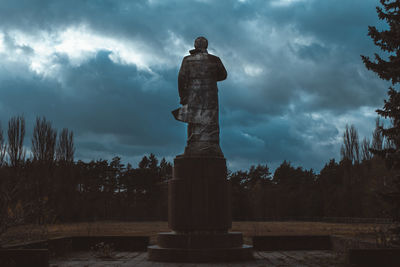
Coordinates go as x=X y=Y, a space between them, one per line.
x=185 y=61
x=186 y=58
x=214 y=58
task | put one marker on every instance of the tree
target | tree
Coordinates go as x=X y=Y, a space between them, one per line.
x=16 y=134
x=43 y=140
x=377 y=138
x=285 y=174
x=65 y=146
x=153 y=162
x=240 y=200
x=144 y=163
x=350 y=149
x=3 y=147
x=259 y=183
x=294 y=186
x=388 y=41
x=391 y=109
x=116 y=170
x=365 y=149
x=389 y=69
x=165 y=170
x=259 y=173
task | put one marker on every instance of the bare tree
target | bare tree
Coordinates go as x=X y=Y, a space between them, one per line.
x=366 y=149
x=44 y=140
x=350 y=149
x=389 y=144
x=65 y=146
x=16 y=134
x=377 y=138
x=3 y=147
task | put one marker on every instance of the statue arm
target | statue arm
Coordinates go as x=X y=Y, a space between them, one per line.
x=182 y=82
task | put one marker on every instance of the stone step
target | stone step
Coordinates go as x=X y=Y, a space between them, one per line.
x=197 y=241
x=243 y=253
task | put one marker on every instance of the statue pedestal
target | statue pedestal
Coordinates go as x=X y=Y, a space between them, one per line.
x=199 y=213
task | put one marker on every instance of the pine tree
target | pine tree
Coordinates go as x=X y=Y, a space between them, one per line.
x=389 y=42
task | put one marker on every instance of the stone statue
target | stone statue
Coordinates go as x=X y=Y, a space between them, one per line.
x=198 y=91
x=199 y=202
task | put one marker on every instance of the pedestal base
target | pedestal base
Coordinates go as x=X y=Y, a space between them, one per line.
x=199 y=195
x=199 y=212
x=173 y=247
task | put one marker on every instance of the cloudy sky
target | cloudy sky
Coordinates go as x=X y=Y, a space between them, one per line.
x=107 y=70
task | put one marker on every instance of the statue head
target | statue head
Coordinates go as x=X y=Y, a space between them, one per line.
x=201 y=43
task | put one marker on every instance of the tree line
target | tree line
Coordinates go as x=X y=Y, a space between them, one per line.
x=49 y=186
x=351 y=187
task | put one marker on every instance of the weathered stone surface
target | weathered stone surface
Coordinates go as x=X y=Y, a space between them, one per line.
x=242 y=253
x=198 y=91
x=198 y=241
x=24 y=257
x=270 y=259
x=292 y=242
x=200 y=215
x=389 y=257
x=199 y=195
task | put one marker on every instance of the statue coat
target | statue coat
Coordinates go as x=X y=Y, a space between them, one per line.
x=197 y=85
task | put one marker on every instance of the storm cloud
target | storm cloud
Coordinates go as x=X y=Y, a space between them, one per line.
x=107 y=70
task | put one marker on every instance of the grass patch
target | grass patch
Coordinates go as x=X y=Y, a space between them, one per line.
x=249 y=229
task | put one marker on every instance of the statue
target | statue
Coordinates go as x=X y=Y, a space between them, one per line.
x=198 y=92
x=199 y=202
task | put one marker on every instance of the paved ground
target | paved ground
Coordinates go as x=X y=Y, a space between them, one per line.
x=277 y=258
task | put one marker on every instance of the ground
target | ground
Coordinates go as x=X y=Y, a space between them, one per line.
x=249 y=229
x=281 y=258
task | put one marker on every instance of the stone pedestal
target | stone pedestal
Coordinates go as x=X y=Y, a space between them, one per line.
x=199 y=213
x=198 y=195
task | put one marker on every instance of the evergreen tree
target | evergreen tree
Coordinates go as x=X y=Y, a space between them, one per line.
x=144 y=163
x=389 y=42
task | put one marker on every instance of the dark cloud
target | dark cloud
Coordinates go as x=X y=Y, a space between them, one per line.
x=295 y=77
x=106 y=101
